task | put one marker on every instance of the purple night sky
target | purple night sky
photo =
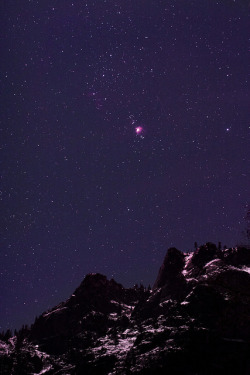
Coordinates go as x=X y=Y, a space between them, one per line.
x=123 y=132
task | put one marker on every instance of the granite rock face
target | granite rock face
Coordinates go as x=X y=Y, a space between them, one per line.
x=88 y=309
x=195 y=321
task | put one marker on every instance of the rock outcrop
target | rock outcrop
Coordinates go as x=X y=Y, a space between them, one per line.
x=87 y=309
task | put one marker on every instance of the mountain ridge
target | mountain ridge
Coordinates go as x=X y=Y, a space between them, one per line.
x=195 y=321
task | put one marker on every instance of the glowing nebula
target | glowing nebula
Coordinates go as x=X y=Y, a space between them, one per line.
x=138 y=129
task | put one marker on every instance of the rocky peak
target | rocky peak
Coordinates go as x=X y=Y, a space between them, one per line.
x=96 y=284
x=88 y=308
x=171 y=268
x=95 y=278
x=170 y=278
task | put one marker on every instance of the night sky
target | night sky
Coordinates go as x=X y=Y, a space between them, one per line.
x=123 y=132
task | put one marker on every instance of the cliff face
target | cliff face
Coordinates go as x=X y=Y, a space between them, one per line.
x=211 y=286
x=196 y=320
x=170 y=278
x=87 y=310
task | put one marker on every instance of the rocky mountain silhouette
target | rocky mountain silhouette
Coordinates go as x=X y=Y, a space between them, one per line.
x=195 y=321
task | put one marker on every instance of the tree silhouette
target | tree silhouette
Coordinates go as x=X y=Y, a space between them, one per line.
x=246 y=232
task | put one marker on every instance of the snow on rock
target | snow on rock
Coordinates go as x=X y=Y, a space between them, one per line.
x=44 y=371
x=246 y=269
x=57 y=311
x=4 y=348
x=188 y=259
x=117 y=345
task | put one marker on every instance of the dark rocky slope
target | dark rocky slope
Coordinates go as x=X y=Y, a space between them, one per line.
x=196 y=321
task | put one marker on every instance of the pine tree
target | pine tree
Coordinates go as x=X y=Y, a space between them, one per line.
x=119 y=309
x=246 y=232
x=115 y=336
x=8 y=335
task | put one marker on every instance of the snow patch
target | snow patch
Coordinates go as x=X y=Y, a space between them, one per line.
x=46 y=369
x=153 y=330
x=166 y=302
x=215 y=263
x=57 y=311
x=246 y=269
x=119 y=348
x=4 y=348
x=113 y=316
x=188 y=260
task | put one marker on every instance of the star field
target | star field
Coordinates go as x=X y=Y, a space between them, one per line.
x=124 y=131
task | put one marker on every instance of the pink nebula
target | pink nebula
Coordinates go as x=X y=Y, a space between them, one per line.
x=138 y=129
